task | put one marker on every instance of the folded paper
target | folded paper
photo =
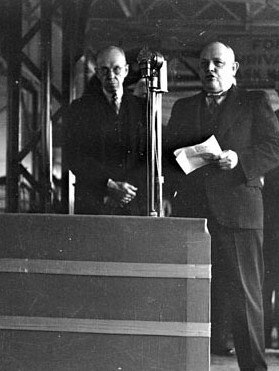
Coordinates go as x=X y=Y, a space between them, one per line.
x=194 y=157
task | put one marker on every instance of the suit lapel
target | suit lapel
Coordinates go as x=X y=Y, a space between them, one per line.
x=230 y=113
x=195 y=115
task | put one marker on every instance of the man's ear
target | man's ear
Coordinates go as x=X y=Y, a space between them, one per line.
x=235 y=67
x=126 y=70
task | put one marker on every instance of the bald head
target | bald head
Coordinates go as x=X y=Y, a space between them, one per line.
x=217 y=67
x=111 y=50
x=222 y=48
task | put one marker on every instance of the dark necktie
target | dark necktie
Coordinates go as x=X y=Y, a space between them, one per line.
x=214 y=100
x=115 y=102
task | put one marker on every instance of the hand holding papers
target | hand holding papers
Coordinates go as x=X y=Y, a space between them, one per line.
x=194 y=157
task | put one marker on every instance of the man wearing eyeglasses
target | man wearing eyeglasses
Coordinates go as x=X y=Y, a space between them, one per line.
x=105 y=141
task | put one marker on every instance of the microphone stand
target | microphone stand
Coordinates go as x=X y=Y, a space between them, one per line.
x=156 y=81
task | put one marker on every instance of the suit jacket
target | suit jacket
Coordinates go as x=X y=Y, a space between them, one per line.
x=88 y=153
x=246 y=125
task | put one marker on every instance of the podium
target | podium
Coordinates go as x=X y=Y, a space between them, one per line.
x=104 y=293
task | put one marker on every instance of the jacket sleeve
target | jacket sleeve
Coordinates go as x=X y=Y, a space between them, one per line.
x=171 y=139
x=263 y=154
x=82 y=162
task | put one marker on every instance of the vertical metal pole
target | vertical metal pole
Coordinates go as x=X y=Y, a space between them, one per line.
x=46 y=10
x=148 y=146
x=13 y=79
x=153 y=211
x=159 y=154
x=67 y=91
x=35 y=159
x=155 y=191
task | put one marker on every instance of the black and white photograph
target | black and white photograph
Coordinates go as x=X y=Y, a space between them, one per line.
x=139 y=185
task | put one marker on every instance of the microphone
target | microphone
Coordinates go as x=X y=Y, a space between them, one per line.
x=149 y=62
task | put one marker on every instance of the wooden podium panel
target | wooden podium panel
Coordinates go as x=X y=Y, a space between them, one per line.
x=104 y=293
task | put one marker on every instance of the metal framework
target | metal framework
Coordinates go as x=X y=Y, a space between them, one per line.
x=173 y=25
x=38 y=175
x=34 y=74
x=243 y=14
x=14 y=68
x=180 y=28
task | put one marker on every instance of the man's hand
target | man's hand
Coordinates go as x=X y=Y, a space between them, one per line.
x=209 y=157
x=228 y=160
x=121 y=192
x=167 y=207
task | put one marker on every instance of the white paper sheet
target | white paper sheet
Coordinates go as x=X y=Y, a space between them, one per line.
x=190 y=158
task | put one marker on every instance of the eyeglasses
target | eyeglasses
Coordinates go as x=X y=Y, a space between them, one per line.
x=104 y=71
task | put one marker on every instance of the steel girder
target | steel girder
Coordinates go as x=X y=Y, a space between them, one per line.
x=29 y=54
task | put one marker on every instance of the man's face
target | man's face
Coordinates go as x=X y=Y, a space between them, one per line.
x=112 y=70
x=217 y=68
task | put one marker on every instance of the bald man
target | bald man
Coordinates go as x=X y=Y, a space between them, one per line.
x=105 y=139
x=227 y=191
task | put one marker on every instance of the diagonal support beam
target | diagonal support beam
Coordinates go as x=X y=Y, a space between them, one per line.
x=151 y=6
x=37 y=73
x=125 y=8
x=29 y=177
x=203 y=9
x=30 y=34
x=227 y=9
x=255 y=12
x=30 y=146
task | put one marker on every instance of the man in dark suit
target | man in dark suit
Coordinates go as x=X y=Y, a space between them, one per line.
x=105 y=141
x=227 y=191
